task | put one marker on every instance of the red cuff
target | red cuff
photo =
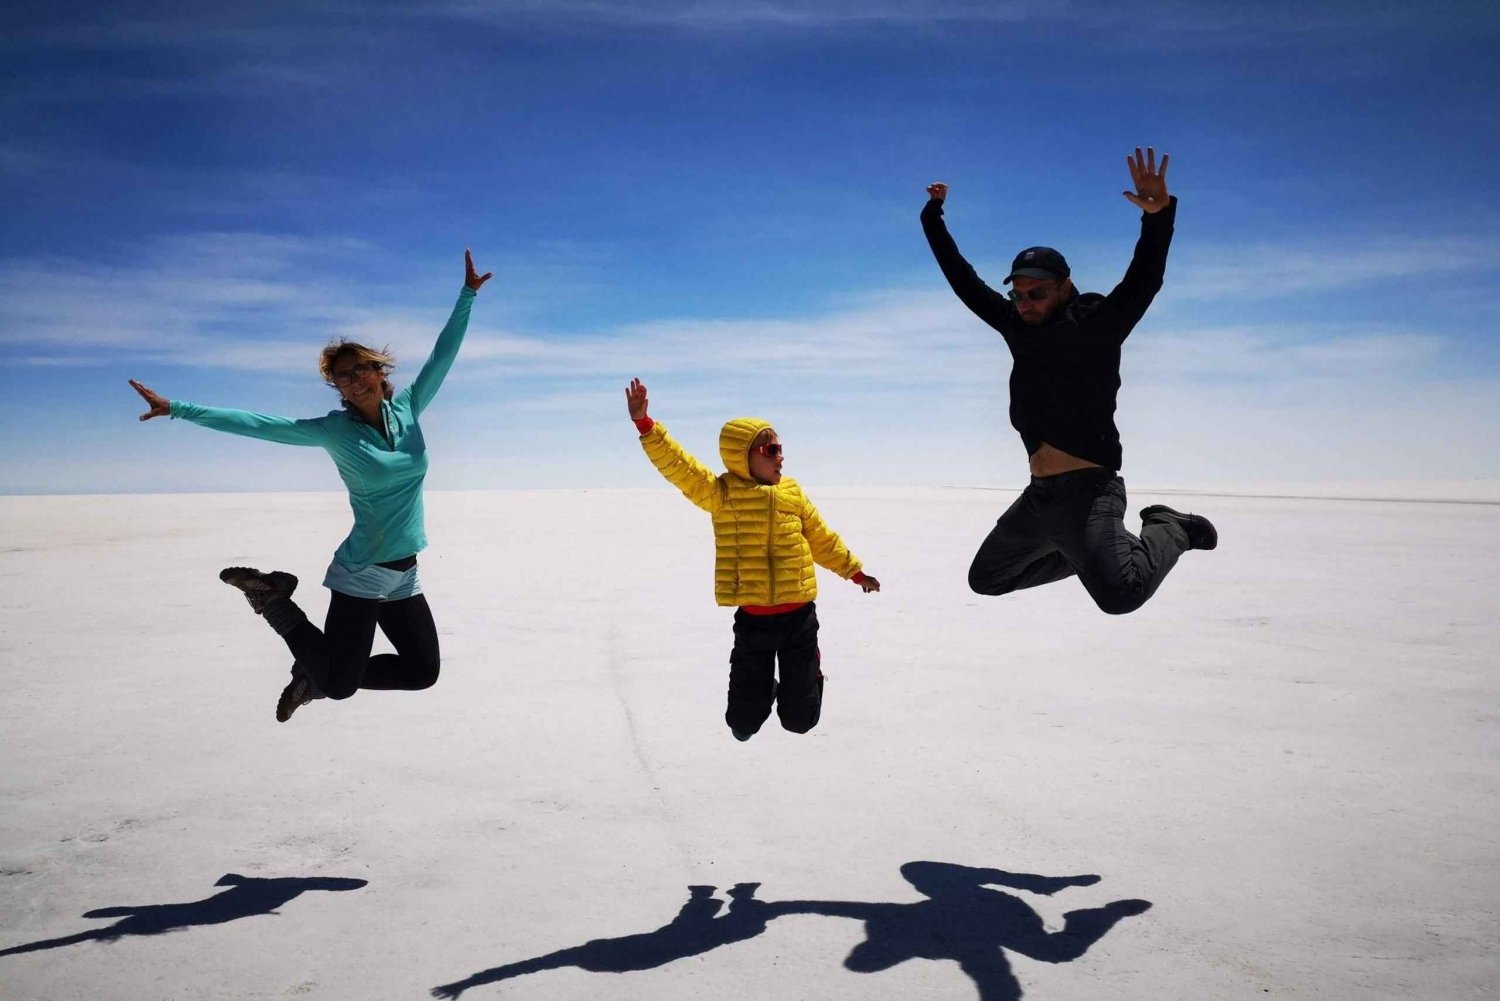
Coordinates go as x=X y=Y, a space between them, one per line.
x=859 y=577
x=644 y=425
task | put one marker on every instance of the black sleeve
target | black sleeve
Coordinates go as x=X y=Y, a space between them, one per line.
x=1123 y=308
x=990 y=306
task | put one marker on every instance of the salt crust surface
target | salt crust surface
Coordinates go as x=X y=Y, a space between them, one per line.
x=1290 y=752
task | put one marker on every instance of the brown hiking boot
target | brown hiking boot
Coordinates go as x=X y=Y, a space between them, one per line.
x=259 y=588
x=294 y=696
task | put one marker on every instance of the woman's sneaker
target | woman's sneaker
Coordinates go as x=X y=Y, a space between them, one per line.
x=294 y=696
x=259 y=588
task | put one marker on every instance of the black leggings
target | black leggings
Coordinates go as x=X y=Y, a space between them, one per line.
x=1073 y=523
x=337 y=657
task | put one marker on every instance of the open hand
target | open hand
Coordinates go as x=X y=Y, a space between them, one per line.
x=472 y=278
x=1150 y=193
x=869 y=584
x=635 y=399
x=938 y=190
x=160 y=405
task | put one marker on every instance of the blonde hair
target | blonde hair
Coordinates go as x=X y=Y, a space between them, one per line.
x=340 y=347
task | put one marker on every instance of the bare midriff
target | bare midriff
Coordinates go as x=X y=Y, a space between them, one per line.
x=1049 y=461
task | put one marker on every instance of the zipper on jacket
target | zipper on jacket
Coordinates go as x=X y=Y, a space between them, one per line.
x=770 y=552
x=385 y=423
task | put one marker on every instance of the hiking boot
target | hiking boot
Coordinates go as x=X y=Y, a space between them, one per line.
x=294 y=696
x=259 y=588
x=1200 y=531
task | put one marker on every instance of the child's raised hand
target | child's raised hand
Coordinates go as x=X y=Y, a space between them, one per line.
x=635 y=399
x=869 y=584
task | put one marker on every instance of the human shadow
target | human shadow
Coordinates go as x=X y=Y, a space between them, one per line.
x=246 y=897
x=962 y=919
x=697 y=928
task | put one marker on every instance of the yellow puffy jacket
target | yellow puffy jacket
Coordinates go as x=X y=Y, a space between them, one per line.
x=766 y=538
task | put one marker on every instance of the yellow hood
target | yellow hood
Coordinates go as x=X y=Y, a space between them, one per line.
x=734 y=443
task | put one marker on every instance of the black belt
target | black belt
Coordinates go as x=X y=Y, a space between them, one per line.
x=403 y=564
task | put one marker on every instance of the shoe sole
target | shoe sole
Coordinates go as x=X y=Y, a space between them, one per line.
x=249 y=579
x=258 y=587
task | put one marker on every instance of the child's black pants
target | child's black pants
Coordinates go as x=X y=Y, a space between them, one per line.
x=760 y=642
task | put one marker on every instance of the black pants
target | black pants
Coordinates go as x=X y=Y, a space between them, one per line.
x=759 y=642
x=1073 y=523
x=338 y=660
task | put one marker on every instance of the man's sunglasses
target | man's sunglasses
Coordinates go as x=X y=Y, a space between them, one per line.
x=771 y=451
x=344 y=376
x=1034 y=294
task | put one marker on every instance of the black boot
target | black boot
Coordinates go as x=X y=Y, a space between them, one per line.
x=1200 y=531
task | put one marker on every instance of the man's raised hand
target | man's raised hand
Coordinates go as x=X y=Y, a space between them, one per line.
x=1150 y=193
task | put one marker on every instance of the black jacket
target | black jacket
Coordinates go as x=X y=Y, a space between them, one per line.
x=1065 y=374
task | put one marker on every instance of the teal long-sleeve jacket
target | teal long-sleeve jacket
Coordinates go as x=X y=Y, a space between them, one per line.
x=383 y=472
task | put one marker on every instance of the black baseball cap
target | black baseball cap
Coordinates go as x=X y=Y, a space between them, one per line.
x=1038 y=262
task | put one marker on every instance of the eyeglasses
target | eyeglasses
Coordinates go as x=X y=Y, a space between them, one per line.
x=344 y=376
x=770 y=451
x=1034 y=294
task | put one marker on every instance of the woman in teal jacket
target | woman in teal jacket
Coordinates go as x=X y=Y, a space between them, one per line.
x=377 y=446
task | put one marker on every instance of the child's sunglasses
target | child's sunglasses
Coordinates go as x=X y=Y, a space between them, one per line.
x=772 y=450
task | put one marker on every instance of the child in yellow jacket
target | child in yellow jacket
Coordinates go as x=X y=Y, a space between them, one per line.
x=767 y=536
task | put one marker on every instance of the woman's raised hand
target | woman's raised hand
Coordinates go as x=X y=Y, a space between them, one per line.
x=472 y=278
x=160 y=405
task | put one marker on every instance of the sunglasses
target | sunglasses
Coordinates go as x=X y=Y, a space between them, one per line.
x=771 y=451
x=1034 y=294
x=344 y=376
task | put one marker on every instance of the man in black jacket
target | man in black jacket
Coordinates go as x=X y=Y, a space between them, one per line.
x=1065 y=374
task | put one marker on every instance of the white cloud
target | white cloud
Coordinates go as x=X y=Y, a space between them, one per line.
x=1277 y=270
x=892 y=386
x=252 y=302
x=1255 y=354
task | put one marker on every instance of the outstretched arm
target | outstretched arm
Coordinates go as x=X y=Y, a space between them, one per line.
x=266 y=427
x=696 y=481
x=425 y=386
x=984 y=302
x=1128 y=302
x=1150 y=195
x=829 y=551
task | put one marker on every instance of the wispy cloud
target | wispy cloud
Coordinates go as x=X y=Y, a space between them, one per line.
x=1262 y=270
x=244 y=301
x=282 y=26
x=1176 y=14
x=18 y=159
x=237 y=301
x=180 y=296
x=1254 y=354
x=721 y=14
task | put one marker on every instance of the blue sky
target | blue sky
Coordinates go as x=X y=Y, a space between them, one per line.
x=722 y=199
